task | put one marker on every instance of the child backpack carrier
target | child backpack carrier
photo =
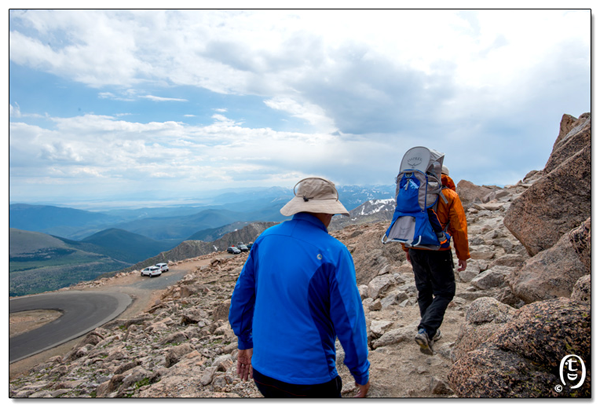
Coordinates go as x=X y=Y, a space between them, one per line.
x=418 y=189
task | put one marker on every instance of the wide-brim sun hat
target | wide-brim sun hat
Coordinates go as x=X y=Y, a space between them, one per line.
x=314 y=195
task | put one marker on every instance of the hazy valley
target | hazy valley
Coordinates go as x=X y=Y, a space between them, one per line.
x=52 y=247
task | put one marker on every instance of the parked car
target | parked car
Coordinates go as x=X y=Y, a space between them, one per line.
x=233 y=250
x=163 y=267
x=249 y=245
x=242 y=247
x=151 y=271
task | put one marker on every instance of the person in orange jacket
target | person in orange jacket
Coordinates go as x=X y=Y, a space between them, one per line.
x=434 y=270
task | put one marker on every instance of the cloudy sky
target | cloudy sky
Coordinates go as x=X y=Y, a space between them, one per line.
x=109 y=105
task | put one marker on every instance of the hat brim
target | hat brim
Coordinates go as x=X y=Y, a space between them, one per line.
x=298 y=204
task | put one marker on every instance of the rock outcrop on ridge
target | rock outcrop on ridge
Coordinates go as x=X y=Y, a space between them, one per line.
x=552 y=219
x=560 y=200
x=497 y=341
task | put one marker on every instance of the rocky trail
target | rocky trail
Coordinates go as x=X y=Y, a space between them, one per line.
x=504 y=334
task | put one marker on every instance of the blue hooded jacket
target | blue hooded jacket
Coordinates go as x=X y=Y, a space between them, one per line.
x=295 y=294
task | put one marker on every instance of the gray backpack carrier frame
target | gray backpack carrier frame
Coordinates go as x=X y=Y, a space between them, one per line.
x=418 y=189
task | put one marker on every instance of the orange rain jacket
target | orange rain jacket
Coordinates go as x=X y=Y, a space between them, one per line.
x=452 y=214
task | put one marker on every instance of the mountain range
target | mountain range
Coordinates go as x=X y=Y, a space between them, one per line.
x=175 y=223
x=52 y=247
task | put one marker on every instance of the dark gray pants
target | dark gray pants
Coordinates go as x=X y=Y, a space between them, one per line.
x=434 y=278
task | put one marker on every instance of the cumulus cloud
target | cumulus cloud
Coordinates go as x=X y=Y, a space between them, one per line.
x=98 y=146
x=363 y=63
x=487 y=87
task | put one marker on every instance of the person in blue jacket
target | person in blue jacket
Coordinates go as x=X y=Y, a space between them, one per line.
x=296 y=293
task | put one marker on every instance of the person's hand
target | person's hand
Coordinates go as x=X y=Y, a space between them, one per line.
x=408 y=258
x=363 y=389
x=462 y=265
x=244 y=364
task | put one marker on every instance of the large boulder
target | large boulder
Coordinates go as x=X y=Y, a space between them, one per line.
x=470 y=193
x=524 y=357
x=561 y=199
x=551 y=273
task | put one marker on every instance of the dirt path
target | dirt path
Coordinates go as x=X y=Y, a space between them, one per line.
x=142 y=300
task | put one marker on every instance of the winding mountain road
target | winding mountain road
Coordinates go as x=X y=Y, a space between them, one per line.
x=82 y=311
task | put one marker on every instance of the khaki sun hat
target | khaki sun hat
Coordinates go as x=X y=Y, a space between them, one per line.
x=316 y=195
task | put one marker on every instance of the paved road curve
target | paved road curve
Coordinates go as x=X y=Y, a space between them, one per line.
x=82 y=312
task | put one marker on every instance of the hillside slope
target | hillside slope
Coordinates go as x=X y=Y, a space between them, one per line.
x=195 y=248
x=209 y=235
x=39 y=263
x=24 y=241
x=126 y=246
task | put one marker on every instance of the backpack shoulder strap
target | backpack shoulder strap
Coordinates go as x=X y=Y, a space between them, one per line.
x=442 y=195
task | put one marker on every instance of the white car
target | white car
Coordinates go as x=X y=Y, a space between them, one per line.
x=163 y=267
x=151 y=271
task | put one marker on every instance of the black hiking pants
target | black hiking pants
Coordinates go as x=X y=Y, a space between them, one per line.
x=272 y=388
x=434 y=278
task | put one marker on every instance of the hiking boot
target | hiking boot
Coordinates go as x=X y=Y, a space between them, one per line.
x=437 y=336
x=424 y=342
